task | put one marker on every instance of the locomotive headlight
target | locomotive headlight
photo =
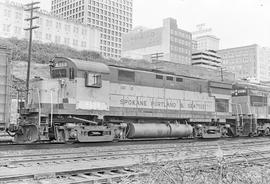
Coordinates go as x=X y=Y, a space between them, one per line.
x=227 y=126
x=199 y=126
x=123 y=125
x=73 y=134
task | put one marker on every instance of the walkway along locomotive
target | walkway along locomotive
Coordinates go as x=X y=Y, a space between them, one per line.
x=85 y=101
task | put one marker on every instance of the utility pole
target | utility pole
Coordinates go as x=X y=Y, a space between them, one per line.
x=30 y=7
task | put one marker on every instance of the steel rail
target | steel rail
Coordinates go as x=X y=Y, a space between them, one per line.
x=105 y=153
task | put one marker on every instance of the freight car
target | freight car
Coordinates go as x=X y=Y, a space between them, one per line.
x=90 y=102
x=5 y=81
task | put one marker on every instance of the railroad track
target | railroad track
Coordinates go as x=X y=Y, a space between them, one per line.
x=100 y=165
x=117 y=172
x=75 y=155
x=12 y=146
x=188 y=143
x=131 y=147
x=38 y=159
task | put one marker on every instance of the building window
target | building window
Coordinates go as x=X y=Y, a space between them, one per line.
x=67 y=28
x=76 y=30
x=18 y=15
x=39 y=21
x=66 y=41
x=37 y=35
x=6 y=28
x=57 y=39
x=7 y=13
x=75 y=42
x=84 y=31
x=83 y=44
x=48 y=23
x=48 y=36
x=17 y=30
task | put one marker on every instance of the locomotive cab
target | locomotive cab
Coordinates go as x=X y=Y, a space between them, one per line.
x=67 y=106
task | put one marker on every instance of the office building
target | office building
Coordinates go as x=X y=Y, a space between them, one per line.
x=206 y=58
x=194 y=45
x=168 y=43
x=207 y=42
x=204 y=52
x=247 y=62
x=111 y=17
x=204 y=49
x=52 y=29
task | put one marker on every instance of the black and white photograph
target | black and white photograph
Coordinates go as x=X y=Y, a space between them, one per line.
x=134 y=92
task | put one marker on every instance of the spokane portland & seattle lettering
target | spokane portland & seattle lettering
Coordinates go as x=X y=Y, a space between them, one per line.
x=143 y=103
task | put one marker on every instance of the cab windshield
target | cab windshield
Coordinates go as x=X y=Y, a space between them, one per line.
x=59 y=73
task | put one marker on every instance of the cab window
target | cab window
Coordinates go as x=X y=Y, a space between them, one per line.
x=93 y=80
x=59 y=73
x=71 y=73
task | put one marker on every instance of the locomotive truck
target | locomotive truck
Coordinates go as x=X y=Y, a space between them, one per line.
x=85 y=101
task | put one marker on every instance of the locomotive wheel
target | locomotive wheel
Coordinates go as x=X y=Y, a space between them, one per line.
x=27 y=134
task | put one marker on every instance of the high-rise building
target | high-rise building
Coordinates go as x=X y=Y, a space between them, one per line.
x=207 y=42
x=204 y=49
x=111 y=17
x=167 y=43
x=247 y=62
x=52 y=29
x=206 y=58
x=204 y=38
x=194 y=45
x=204 y=52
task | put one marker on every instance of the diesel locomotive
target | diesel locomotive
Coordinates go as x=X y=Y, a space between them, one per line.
x=86 y=101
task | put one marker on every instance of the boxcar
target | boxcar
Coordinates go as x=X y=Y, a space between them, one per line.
x=5 y=83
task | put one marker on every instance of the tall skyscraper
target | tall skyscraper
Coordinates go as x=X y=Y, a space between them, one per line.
x=112 y=17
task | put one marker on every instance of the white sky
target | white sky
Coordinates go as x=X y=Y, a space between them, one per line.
x=235 y=22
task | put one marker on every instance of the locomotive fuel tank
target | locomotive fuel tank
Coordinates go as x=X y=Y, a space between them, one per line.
x=181 y=130
x=158 y=130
